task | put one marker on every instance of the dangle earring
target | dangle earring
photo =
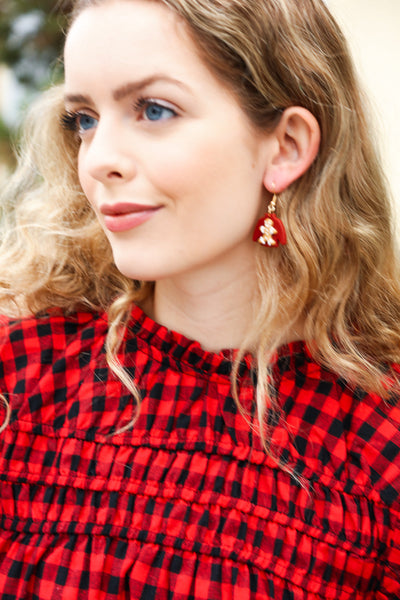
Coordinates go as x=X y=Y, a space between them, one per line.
x=270 y=230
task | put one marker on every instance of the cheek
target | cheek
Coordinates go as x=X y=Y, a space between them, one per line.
x=196 y=152
x=80 y=168
x=83 y=177
x=190 y=169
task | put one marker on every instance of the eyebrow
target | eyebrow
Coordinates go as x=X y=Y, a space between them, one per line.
x=129 y=88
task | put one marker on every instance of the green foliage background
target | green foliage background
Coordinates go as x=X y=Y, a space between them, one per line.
x=34 y=56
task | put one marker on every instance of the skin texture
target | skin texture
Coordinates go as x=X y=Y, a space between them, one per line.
x=184 y=155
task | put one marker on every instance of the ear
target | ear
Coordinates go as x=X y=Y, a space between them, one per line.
x=295 y=144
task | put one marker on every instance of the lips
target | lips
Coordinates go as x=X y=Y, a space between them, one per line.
x=124 y=215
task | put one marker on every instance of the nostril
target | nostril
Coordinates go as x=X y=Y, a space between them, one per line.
x=113 y=174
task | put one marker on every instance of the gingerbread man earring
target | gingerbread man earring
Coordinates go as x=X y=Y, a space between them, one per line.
x=270 y=230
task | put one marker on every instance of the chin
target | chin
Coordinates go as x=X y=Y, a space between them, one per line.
x=136 y=272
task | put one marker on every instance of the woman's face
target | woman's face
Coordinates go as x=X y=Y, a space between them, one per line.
x=168 y=160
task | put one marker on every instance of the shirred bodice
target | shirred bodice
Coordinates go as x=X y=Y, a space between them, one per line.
x=186 y=505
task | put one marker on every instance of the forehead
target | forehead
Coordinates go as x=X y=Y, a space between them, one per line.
x=128 y=21
x=134 y=35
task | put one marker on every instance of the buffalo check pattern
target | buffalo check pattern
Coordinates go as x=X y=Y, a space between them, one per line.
x=186 y=506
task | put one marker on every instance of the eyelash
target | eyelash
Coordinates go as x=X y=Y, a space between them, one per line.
x=69 y=120
x=142 y=103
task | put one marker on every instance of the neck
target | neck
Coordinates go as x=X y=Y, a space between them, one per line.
x=217 y=313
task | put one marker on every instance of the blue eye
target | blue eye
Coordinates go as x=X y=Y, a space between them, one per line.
x=86 y=122
x=150 y=110
x=156 y=112
x=78 y=122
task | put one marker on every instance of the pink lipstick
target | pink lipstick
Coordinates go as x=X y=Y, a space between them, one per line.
x=124 y=215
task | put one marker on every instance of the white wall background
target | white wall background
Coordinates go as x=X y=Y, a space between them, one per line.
x=373 y=30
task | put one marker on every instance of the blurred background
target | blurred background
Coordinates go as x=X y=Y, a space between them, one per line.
x=31 y=39
x=373 y=31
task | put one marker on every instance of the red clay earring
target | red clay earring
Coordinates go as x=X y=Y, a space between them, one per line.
x=270 y=230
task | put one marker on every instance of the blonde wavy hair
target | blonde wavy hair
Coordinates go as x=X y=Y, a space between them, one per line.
x=338 y=272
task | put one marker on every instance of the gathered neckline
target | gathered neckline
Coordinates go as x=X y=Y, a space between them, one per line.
x=187 y=351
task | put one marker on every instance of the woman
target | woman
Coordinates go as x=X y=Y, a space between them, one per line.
x=206 y=173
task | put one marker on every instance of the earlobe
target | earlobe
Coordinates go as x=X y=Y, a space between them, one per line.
x=297 y=138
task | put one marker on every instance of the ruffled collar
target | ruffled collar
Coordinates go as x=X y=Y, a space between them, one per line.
x=189 y=353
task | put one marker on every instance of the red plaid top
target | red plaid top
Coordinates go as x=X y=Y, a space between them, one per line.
x=186 y=505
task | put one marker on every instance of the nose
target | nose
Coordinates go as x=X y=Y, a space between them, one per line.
x=107 y=156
